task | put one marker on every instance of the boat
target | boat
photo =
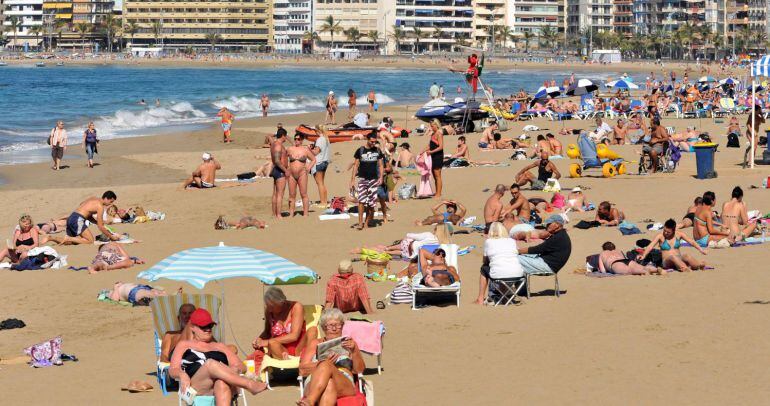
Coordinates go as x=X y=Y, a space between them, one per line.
x=59 y=63
x=451 y=113
x=3 y=64
x=346 y=134
x=40 y=64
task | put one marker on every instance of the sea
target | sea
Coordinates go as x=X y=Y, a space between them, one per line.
x=32 y=98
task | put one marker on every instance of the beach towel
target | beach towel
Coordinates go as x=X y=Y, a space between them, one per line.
x=373 y=255
x=341 y=216
x=368 y=335
x=424 y=165
x=104 y=296
x=45 y=354
x=627 y=228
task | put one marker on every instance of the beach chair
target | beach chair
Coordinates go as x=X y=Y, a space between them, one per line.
x=312 y=317
x=555 y=275
x=634 y=106
x=453 y=289
x=368 y=336
x=723 y=110
x=363 y=387
x=586 y=112
x=506 y=290
x=164 y=316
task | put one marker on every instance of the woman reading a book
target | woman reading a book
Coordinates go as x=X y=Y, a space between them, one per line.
x=331 y=365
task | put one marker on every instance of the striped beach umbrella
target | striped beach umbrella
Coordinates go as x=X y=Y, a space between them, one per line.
x=544 y=93
x=198 y=266
x=729 y=81
x=706 y=79
x=581 y=87
x=622 y=84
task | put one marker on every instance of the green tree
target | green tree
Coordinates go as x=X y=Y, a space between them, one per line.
x=548 y=35
x=110 y=26
x=14 y=28
x=353 y=35
x=374 y=36
x=36 y=31
x=527 y=37
x=503 y=35
x=130 y=28
x=438 y=34
x=83 y=28
x=213 y=38
x=332 y=27
x=419 y=35
x=398 y=35
x=157 y=31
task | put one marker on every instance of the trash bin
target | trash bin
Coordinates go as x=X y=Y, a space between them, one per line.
x=704 y=160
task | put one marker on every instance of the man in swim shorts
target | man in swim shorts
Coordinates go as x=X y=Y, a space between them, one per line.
x=368 y=172
x=280 y=159
x=92 y=209
x=227 y=123
x=658 y=140
x=493 y=207
x=203 y=177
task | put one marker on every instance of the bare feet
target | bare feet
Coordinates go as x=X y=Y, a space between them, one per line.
x=479 y=301
x=255 y=387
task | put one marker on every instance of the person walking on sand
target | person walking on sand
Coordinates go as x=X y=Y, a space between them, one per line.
x=280 y=159
x=89 y=143
x=372 y=99
x=368 y=172
x=58 y=142
x=351 y=103
x=265 y=103
x=331 y=109
x=227 y=123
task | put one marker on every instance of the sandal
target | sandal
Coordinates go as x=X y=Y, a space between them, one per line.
x=137 y=386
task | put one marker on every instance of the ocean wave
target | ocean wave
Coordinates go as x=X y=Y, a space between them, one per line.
x=124 y=121
x=247 y=104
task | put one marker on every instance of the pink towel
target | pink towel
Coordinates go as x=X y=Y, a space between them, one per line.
x=366 y=335
x=424 y=165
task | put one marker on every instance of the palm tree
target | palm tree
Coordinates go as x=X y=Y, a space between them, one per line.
x=513 y=38
x=311 y=37
x=213 y=38
x=374 y=36
x=548 y=35
x=130 y=28
x=59 y=26
x=14 y=28
x=503 y=35
x=157 y=30
x=36 y=31
x=353 y=35
x=398 y=35
x=527 y=37
x=418 y=35
x=83 y=28
x=489 y=39
x=438 y=34
x=110 y=26
x=332 y=27
x=461 y=41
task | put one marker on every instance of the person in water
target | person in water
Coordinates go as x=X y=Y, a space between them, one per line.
x=669 y=242
x=301 y=160
x=545 y=170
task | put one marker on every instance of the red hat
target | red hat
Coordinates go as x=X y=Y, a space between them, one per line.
x=201 y=318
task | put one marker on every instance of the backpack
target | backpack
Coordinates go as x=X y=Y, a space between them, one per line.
x=732 y=141
x=401 y=294
x=407 y=191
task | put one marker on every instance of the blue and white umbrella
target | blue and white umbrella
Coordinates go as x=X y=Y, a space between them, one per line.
x=581 y=87
x=544 y=93
x=706 y=79
x=198 y=266
x=622 y=84
x=729 y=81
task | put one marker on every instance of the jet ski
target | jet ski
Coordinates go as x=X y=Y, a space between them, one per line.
x=451 y=113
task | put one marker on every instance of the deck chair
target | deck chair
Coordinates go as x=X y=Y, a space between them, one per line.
x=363 y=386
x=722 y=111
x=368 y=336
x=505 y=290
x=556 y=282
x=312 y=317
x=421 y=290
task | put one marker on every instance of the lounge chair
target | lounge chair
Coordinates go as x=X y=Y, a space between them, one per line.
x=362 y=386
x=368 y=336
x=724 y=108
x=421 y=290
x=312 y=317
x=586 y=112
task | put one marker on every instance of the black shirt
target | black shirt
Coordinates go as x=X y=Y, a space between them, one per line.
x=368 y=162
x=555 y=251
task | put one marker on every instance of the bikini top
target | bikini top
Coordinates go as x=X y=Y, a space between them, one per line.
x=302 y=159
x=665 y=246
x=278 y=329
x=28 y=242
x=443 y=272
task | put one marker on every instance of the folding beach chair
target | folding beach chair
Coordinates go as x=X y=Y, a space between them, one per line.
x=312 y=317
x=556 y=281
x=421 y=290
x=363 y=386
x=368 y=336
x=506 y=290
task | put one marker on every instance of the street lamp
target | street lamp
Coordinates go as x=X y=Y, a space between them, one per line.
x=385 y=29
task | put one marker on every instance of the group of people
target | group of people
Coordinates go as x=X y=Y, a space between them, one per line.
x=58 y=141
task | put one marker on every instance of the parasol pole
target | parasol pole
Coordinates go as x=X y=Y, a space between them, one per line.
x=753 y=119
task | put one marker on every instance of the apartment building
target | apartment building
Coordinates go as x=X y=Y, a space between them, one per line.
x=91 y=11
x=646 y=16
x=532 y=15
x=29 y=13
x=454 y=20
x=488 y=15
x=623 y=17
x=361 y=14
x=241 y=24
x=291 y=19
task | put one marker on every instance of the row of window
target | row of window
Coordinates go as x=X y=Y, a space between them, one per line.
x=189 y=1
x=253 y=31
x=198 y=10
x=196 y=21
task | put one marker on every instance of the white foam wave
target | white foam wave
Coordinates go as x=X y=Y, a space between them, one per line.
x=246 y=104
x=132 y=120
x=22 y=146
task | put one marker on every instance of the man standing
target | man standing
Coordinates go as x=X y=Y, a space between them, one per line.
x=493 y=207
x=367 y=176
x=203 y=177
x=265 y=103
x=433 y=91
x=552 y=254
x=58 y=142
x=658 y=140
x=227 y=123
x=280 y=160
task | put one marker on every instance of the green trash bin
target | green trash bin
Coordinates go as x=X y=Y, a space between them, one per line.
x=704 y=160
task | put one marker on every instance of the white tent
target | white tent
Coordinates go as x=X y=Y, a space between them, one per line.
x=606 y=56
x=344 y=54
x=759 y=68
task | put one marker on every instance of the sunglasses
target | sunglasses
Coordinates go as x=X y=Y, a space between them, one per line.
x=298 y=139
x=207 y=328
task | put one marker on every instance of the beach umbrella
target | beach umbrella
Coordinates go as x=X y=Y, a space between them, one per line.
x=729 y=81
x=581 y=87
x=706 y=79
x=622 y=84
x=198 y=266
x=544 y=93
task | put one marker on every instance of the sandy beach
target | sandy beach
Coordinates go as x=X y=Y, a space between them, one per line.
x=697 y=338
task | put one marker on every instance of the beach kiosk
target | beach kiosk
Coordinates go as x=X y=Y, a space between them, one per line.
x=606 y=56
x=344 y=54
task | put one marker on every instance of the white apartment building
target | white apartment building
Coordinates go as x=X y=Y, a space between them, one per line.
x=29 y=14
x=454 y=19
x=360 y=14
x=291 y=20
x=486 y=15
x=589 y=16
x=532 y=15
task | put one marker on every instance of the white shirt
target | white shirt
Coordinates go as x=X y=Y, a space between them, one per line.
x=361 y=120
x=322 y=143
x=503 y=258
x=603 y=129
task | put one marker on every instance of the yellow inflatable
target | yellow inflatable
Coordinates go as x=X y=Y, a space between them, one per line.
x=573 y=151
x=605 y=153
x=504 y=114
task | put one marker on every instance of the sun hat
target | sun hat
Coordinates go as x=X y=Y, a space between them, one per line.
x=206 y=156
x=577 y=189
x=331 y=92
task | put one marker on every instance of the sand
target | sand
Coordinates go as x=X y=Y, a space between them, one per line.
x=697 y=338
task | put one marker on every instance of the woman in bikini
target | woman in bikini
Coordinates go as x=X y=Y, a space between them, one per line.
x=669 y=242
x=112 y=256
x=284 y=334
x=331 y=109
x=436 y=151
x=735 y=216
x=689 y=218
x=705 y=232
x=301 y=160
x=331 y=380
x=435 y=271
x=612 y=260
x=209 y=367
x=25 y=237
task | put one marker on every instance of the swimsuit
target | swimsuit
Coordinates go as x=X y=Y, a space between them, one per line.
x=665 y=246
x=437 y=156
x=192 y=360
x=277 y=173
x=28 y=242
x=703 y=241
x=206 y=185
x=132 y=293
x=76 y=224
x=277 y=329
x=303 y=159
x=543 y=174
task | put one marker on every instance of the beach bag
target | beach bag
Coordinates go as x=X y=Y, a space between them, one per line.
x=46 y=353
x=732 y=141
x=338 y=203
x=558 y=200
x=401 y=294
x=407 y=191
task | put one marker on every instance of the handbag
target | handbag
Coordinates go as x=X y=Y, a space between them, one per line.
x=46 y=353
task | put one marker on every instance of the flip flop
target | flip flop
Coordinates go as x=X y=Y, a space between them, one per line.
x=137 y=387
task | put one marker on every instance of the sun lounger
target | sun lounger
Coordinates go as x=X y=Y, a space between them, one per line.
x=421 y=290
x=312 y=317
x=368 y=336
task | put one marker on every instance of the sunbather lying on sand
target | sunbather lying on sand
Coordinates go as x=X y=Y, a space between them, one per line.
x=608 y=215
x=410 y=245
x=453 y=213
x=612 y=260
x=669 y=242
x=435 y=271
x=112 y=256
x=689 y=218
x=576 y=200
x=139 y=295
x=244 y=222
